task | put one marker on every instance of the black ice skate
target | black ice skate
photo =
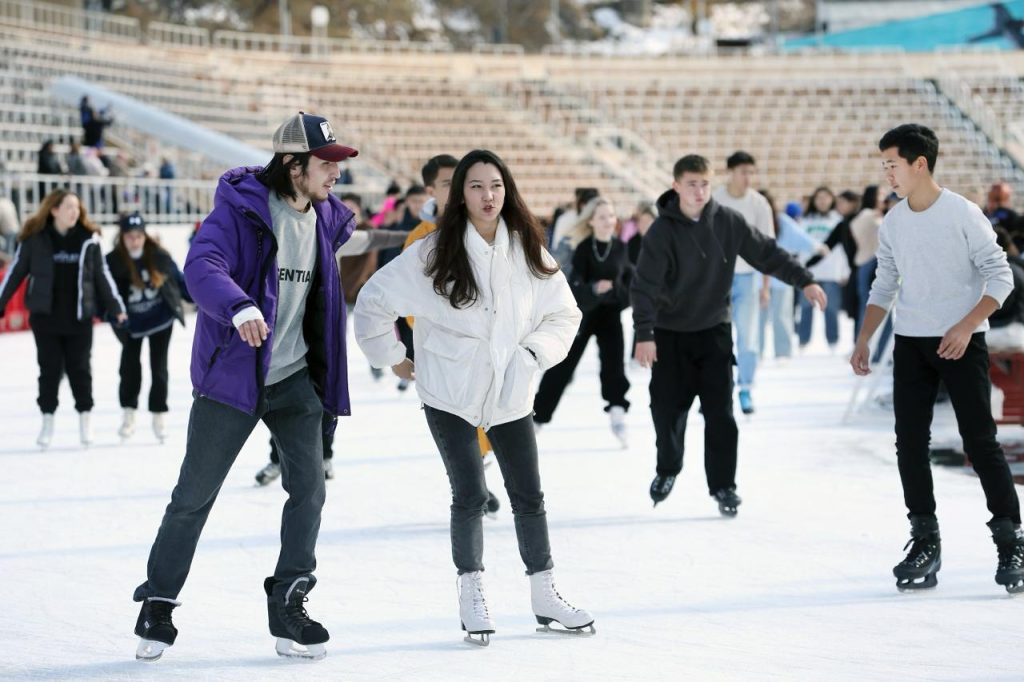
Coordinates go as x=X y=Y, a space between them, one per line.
x=918 y=570
x=155 y=628
x=728 y=501
x=661 y=486
x=1009 y=540
x=298 y=635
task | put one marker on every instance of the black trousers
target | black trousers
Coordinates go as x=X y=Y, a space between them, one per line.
x=606 y=324
x=917 y=371
x=58 y=353
x=692 y=364
x=131 y=369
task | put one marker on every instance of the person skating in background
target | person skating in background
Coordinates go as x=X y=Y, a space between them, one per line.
x=269 y=345
x=750 y=290
x=599 y=279
x=59 y=252
x=944 y=295
x=791 y=237
x=681 y=293
x=831 y=272
x=153 y=288
x=490 y=303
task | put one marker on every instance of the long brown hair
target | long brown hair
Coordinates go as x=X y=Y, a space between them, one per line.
x=149 y=252
x=41 y=218
x=448 y=264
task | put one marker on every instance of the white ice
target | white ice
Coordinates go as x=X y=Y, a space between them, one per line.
x=797 y=587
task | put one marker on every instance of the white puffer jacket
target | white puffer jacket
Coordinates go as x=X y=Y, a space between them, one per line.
x=472 y=362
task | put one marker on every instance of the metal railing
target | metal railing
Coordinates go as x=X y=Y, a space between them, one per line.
x=60 y=19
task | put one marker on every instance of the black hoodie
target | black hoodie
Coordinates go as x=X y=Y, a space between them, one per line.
x=683 y=280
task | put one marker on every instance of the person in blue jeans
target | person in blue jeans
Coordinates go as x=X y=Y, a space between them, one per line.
x=750 y=289
x=791 y=238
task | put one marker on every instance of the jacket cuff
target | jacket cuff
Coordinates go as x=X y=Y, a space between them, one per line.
x=644 y=335
x=246 y=315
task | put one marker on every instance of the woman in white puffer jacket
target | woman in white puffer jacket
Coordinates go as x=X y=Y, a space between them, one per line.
x=492 y=311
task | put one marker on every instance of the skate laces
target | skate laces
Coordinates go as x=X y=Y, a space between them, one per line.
x=553 y=595
x=1011 y=555
x=296 y=611
x=479 y=601
x=922 y=550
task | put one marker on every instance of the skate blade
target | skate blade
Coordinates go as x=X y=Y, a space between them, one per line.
x=150 y=650
x=728 y=512
x=308 y=652
x=480 y=638
x=916 y=584
x=1014 y=588
x=582 y=631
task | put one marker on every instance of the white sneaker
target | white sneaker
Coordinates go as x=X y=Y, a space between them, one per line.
x=127 y=424
x=476 y=620
x=617 y=415
x=46 y=433
x=548 y=606
x=328 y=469
x=85 y=427
x=159 y=426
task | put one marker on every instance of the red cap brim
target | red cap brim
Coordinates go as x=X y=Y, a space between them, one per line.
x=335 y=152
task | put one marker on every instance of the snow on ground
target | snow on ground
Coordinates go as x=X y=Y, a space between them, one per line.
x=797 y=587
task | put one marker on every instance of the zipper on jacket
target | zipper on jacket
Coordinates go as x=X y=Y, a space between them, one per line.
x=264 y=267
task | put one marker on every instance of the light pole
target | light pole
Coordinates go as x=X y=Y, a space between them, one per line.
x=284 y=17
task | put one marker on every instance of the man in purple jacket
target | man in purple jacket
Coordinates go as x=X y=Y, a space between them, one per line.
x=269 y=344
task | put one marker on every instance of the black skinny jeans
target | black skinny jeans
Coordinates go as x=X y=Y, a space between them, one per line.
x=917 y=371
x=515 y=448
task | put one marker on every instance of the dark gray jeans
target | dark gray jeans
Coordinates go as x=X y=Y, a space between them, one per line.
x=515 y=447
x=216 y=433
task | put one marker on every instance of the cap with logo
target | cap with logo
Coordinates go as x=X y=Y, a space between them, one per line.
x=313 y=134
x=131 y=221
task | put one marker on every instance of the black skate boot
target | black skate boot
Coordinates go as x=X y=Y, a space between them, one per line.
x=155 y=628
x=298 y=635
x=661 y=486
x=493 y=505
x=728 y=501
x=918 y=570
x=1009 y=539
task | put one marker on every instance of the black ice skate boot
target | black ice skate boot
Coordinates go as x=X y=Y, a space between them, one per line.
x=298 y=635
x=918 y=570
x=155 y=628
x=661 y=486
x=1009 y=539
x=728 y=501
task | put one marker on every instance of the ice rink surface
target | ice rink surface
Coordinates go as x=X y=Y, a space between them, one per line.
x=797 y=587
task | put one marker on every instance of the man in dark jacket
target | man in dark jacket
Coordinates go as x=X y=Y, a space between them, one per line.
x=269 y=345
x=681 y=290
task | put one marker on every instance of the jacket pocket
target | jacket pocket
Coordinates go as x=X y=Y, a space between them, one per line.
x=517 y=390
x=447 y=366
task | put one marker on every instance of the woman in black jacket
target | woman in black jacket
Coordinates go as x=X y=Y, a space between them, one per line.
x=59 y=251
x=600 y=282
x=150 y=282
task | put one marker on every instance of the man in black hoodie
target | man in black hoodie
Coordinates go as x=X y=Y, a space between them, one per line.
x=680 y=293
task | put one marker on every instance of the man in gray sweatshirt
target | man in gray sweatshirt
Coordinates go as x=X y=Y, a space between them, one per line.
x=939 y=262
x=681 y=298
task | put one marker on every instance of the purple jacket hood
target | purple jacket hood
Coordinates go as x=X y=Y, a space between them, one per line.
x=232 y=265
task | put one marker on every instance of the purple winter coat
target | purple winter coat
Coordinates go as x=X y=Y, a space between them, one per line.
x=232 y=265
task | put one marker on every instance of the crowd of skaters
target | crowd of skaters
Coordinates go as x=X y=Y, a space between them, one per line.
x=706 y=269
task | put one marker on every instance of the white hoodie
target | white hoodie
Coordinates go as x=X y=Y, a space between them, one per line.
x=472 y=362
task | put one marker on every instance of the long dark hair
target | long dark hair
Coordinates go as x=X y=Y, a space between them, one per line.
x=448 y=264
x=775 y=212
x=277 y=175
x=150 y=249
